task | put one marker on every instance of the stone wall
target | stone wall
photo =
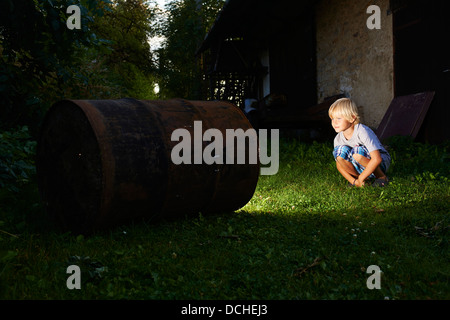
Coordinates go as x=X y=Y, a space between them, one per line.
x=353 y=59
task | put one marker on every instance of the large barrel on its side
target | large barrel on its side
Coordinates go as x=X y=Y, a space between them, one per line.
x=102 y=163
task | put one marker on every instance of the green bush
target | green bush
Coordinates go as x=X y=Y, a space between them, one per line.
x=17 y=151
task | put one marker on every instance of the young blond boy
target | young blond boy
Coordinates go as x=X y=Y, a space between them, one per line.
x=358 y=152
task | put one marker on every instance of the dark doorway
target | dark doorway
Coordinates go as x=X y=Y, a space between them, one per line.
x=293 y=62
x=422 y=60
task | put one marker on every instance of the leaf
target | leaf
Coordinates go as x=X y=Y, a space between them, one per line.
x=30 y=277
x=7 y=256
x=155 y=277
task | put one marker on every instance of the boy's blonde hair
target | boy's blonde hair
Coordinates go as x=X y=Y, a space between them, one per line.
x=345 y=108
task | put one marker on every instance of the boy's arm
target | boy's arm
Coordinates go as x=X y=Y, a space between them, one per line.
x=373 y=164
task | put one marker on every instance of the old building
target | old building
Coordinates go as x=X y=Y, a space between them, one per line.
x=294 y=55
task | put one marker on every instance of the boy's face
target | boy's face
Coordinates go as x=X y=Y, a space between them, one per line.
x=340 y=124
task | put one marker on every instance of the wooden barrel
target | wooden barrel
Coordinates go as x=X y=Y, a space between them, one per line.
x=102 y=163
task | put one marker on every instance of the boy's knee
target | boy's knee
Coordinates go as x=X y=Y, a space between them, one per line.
x=340 y=159
x=342 y=152
x=357 y=157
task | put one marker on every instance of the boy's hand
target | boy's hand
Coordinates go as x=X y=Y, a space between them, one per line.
x=358 y=183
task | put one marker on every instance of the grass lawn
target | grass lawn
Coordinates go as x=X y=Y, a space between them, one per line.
x=304 y=235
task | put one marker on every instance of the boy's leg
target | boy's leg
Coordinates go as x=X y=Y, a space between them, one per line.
x=342 y=155
x=364 y=161
x=346 y=169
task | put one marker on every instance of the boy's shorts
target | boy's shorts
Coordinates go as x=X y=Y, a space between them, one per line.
x=346 y=153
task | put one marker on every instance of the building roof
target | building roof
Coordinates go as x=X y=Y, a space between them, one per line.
x=244 y=18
